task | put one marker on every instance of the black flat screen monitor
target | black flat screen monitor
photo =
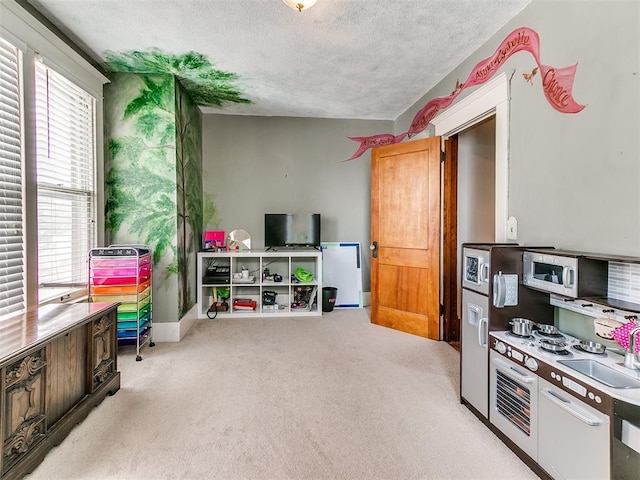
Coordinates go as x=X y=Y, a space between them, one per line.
x=291 y=230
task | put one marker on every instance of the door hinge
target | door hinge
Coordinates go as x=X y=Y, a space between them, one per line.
x=441 y=310
x=443 y=157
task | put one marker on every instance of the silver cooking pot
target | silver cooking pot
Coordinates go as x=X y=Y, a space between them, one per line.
x=592 y=347
x=521 y=326
x=547 y=329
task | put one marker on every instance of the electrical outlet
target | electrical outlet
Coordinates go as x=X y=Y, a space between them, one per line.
x=512 y=228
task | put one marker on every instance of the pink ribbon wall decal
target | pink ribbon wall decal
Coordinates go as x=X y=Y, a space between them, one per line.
x=557 y=84
x=375 y=141
x=429 y=111
x=520 y=39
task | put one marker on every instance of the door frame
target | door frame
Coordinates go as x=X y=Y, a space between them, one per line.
x=449 y=326
x=492 y=99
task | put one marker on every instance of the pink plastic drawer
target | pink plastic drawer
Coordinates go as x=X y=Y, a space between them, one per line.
x=121 y=271
x=119 y=276
x=114 y=280
x=114 y=262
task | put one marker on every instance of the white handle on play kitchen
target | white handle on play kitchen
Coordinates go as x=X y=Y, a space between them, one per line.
x=482 y=337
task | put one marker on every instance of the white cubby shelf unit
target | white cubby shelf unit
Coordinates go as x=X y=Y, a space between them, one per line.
x=282 y=263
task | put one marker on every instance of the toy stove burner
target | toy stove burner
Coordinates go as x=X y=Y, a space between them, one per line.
x=559 y=353
x=521 y=337
x=599 y=351
x=556 y=347
x=555 y=336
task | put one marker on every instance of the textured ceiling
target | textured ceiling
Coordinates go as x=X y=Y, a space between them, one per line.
x=365 y=59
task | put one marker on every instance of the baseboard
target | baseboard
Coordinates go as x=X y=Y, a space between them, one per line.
x=366 y=299
x=174 y=331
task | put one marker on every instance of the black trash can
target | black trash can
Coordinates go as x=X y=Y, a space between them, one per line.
x=329 y=295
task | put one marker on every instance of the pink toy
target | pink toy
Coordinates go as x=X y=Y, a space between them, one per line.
x=621 y=334
x=212 y=239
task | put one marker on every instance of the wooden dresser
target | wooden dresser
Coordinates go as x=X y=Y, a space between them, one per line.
x=56 y=363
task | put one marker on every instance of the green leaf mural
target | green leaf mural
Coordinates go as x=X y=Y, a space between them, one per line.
x=140 y=183
x=153 y=175
x=204 y=84
x=140 y=177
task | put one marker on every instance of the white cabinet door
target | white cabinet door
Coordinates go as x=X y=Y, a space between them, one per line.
x=574 y=439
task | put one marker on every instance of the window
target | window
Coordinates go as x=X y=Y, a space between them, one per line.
x=65 y=164
x=50 y=164
x=12 y=271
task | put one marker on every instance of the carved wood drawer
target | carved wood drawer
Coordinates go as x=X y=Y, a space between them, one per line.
x=24 y=407
x=104 y=343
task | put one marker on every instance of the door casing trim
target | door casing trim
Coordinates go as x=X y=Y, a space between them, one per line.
x=490 y=99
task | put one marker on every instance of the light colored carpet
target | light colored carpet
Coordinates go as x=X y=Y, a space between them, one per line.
x=329 y=397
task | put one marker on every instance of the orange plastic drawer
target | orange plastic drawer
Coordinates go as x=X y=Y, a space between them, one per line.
x=119 y=289
x=141 y=298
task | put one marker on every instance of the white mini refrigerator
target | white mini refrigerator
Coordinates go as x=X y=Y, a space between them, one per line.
x=492 y=294
x=474 y=367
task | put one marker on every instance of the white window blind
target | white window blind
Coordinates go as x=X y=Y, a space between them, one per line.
x=65 y=165
x=12 y=272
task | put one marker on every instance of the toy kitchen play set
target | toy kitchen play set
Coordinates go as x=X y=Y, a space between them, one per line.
x=550 y=356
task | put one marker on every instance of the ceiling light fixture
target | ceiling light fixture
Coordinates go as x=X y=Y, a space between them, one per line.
x=300 y=5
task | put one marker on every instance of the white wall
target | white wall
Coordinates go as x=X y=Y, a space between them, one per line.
x=574 y=179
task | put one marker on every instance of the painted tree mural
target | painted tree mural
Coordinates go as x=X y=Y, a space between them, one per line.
x=140 y=179
x=189 y=198
x=204 y=84
x=154 y=168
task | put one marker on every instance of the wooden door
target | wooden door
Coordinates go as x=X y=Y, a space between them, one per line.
x=405 y=228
